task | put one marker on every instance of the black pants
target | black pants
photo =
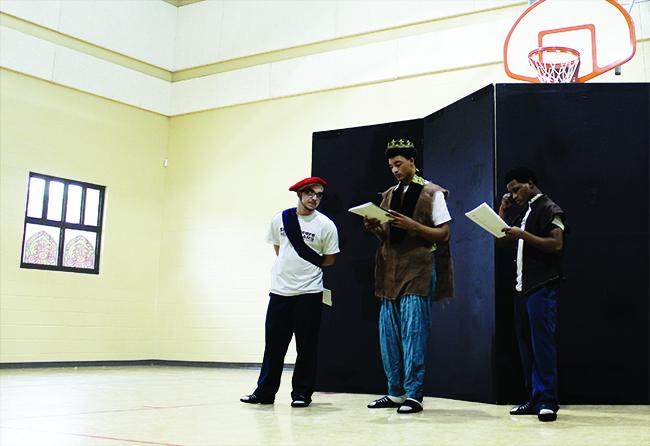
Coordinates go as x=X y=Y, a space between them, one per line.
x=535 y=325
x=286 y=316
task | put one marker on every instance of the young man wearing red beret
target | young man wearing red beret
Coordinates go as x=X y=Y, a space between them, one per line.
x=412 y=268
x=305 y=241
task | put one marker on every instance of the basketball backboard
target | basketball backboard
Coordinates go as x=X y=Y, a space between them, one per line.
x=602 y=32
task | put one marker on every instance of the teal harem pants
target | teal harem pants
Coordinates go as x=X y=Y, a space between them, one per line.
x=404 y=326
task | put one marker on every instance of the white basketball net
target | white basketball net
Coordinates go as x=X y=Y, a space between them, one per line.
x=555 y=65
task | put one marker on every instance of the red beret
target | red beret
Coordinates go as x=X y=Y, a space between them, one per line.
x=311 y=180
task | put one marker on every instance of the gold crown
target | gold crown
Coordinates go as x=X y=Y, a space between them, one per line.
x=400 y=144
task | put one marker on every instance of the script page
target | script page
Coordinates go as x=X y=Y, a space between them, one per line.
x=486 y=218
x=371 y=210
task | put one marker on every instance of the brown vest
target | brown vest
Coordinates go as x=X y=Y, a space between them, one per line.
x=406 y=267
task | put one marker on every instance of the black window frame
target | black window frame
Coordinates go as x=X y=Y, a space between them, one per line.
x=63 y=225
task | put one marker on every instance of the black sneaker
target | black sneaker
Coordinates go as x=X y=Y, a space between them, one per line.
x=383 y=403
x=411 y=405
x=547 y=413
x=254 y=399
x=524 y=409
x=300 y=401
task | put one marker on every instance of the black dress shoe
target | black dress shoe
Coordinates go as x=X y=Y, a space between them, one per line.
x=254 y=399
x=300 y=401
x=383 y=403
x=524 y=409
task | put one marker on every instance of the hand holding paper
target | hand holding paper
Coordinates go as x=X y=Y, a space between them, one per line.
x=370 y=210
x=486 y=218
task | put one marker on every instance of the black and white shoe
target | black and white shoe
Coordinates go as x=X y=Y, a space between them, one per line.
x=523 y=409
x=385 y=402
x=254 y=399
x=411 y=405
x=547 y=413
x=300 y=401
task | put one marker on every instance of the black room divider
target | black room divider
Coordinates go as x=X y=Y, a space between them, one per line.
x=589 y=144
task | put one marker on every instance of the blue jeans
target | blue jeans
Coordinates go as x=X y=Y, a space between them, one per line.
x=404 y=326
x=535 y=325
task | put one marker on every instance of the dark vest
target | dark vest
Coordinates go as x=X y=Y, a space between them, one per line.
x=540 y=268
x=404 y=264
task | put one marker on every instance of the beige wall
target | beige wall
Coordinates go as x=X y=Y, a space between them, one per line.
x=185 y=267
x=229 y=173
x=58 y=316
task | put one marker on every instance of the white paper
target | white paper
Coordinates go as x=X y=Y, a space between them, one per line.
x=327 y=297
x=486 y=218
x=371 y=210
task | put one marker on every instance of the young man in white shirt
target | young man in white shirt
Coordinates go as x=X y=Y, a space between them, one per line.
x=305 y=241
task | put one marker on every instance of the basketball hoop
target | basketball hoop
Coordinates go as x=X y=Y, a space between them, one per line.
x=601 y=31
x=555 y=64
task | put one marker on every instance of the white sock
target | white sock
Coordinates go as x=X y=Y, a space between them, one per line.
x=397 y=399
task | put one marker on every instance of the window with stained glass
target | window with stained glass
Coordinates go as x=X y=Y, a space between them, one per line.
x=63 y=224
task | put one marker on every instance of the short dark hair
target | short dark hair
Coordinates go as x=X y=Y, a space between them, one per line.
x=407 y=153
x=521 y=174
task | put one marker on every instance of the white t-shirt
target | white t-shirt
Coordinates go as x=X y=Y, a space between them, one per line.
x=291 y=274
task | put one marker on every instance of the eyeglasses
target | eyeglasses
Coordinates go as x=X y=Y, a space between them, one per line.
x=312 y=194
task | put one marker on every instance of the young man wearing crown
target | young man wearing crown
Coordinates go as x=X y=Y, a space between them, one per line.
x=412 y=268
x=305 y=241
